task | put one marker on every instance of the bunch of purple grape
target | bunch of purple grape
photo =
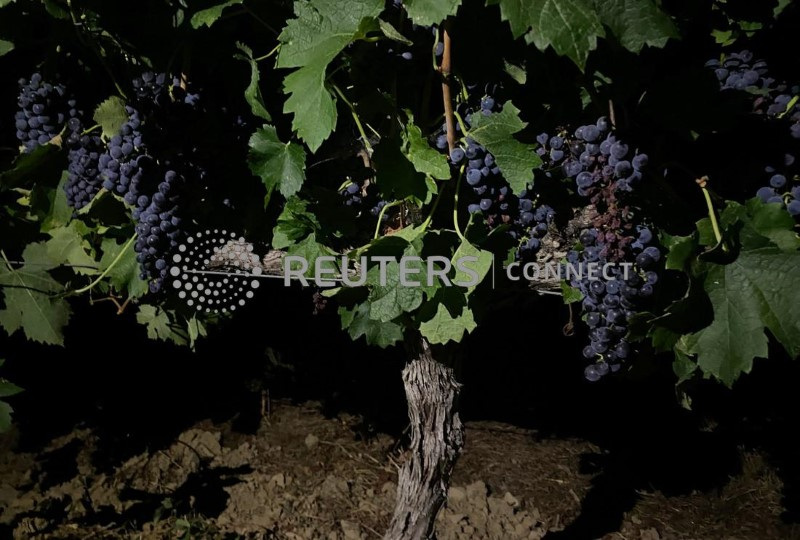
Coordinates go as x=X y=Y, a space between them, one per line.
x=780 y=189
x=360 y=194
x=612 y=297
x=158 y=228
x=491 y=195
x=121 y=164
x=739 y=71
x=83 y=174
x=44 y=109
x=605 y=170
x=144 y=165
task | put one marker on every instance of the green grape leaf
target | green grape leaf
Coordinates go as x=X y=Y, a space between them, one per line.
x=160 y=325
x=748 y=295
x=311 y=103
x=391 y=299
x=771 y=221
x=279 y=165
x=422 y=156
x=310 y=250
x=68 y=246
x=294 y=223
x=515 y=72
x=571 y=27
x=196 y=330
x=477 y=269
x=321 y=29
x=8 y=388
x=636 y=23
x=210 y=15
x=446 y=317
x=428 y=12
x=252 y=94
x=5 y=47
x=515 y=159
x=124 y=274
x=32 y=167
x=570 y=294
x=5 y=416
x=59 y=212
x=4 y=3
x=358 y=323
x=680 y=249
x=111 y=114
x=391 y=32
x=396 y=175
x=29 y=306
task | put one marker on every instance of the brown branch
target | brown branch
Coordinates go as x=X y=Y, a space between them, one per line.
x=445 y=69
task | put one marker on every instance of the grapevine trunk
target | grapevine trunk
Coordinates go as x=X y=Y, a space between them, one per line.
x=437 y=437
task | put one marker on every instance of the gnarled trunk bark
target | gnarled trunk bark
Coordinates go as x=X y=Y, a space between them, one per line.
x=437 y=437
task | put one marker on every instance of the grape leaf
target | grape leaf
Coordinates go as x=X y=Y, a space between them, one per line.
x=67 y=246
x=5 y=47
x=31 y=166
x=358 y=323
x=748 y=295
x=391 y=32
x=159 y=325
x=4 y=3
x=294 y=223
x=278 y=164
x=5 y=416
x=8 y=388
x=59 y=212
x=571 y=27
x=124 y=275
x=636 y=23
x=481 y=265
x=424 y=158
x=210 y=15
x=310 y=250
x=321 y=29
x=111 y=114
x=446 y=317
x=396 y=175
x=428 y=12
x=389 y=301
x=515 y=159
x=29 y=306
x=252 y=94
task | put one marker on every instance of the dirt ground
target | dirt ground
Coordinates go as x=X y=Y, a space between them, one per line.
x=305 y=476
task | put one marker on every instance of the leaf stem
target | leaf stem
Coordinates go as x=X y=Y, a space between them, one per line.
x=703 y=183
x=89 y=130
x=455 y=205
x=789 y=106
x=380 y=217
x=461 y=123
x=355 y=117
x=270 y=53
x=105 y=272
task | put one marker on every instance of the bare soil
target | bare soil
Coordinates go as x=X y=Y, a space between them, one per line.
x=305 y=476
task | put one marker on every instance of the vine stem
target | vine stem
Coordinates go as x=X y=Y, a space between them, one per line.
x=703 y=183
x=445 y=69
x=105 y=272
x=355 y=117
x=380 y=217
x=789 y=107
x=455 y=206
